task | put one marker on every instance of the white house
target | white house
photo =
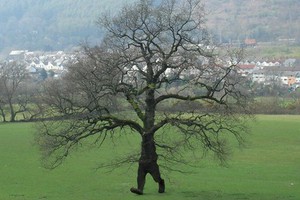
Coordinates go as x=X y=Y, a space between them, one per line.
x=284 y=80
x=258 y=76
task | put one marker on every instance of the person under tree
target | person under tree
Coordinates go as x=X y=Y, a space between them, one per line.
x=148 y=164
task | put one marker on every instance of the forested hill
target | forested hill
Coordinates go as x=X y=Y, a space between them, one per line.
x=50 y=24
x=264 y=20
x=57 y=24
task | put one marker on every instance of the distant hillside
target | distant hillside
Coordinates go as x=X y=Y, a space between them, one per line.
x=57 y=24
x=264 y=20
x=50 y=24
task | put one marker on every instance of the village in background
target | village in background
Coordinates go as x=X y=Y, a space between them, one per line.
x=283 y=71
x=44 y=34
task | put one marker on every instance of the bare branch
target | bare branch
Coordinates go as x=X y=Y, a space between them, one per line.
x=153 y=55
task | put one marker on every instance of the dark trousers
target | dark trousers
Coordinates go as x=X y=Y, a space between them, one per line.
x=151 y=168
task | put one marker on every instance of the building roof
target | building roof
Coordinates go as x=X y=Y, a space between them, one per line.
x=17 y=52
x=250 y=41
x=246 y=66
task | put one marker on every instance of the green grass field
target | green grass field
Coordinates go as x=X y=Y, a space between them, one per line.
x=286 y=51
x=267 y=169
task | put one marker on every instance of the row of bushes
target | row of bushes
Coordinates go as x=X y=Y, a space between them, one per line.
x=262 y=105
x=276 y=105
x=266 y=105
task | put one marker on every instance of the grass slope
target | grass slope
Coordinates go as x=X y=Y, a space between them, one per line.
x=268 y=169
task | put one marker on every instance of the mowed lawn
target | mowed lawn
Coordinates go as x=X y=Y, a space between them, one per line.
x=267 y=169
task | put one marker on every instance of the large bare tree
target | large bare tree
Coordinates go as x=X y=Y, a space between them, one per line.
x=155 y=59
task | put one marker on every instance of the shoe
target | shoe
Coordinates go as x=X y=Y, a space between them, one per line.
x=161 y=186
x=136 y=191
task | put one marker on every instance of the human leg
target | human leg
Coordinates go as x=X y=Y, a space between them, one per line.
x=141 y=179
x=155 y=173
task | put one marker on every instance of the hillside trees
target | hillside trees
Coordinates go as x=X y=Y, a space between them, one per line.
x=57 y=25
x=49 y=25
x=154 y=54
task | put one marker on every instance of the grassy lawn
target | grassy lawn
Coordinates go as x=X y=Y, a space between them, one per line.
x=285 y=51
x=267 y=169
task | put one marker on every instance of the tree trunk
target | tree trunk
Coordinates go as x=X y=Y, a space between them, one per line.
x=12 y=113
x=148 y=159
x=3 y=114
x=148 y=149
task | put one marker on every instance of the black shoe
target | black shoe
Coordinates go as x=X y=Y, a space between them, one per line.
x=136 y=191
x=161 y=186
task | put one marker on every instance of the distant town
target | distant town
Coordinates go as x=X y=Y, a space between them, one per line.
x=285 y=72
x=52 y=62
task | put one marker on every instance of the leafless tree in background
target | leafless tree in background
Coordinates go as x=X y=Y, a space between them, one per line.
x=153 y=55
x=14 y=96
